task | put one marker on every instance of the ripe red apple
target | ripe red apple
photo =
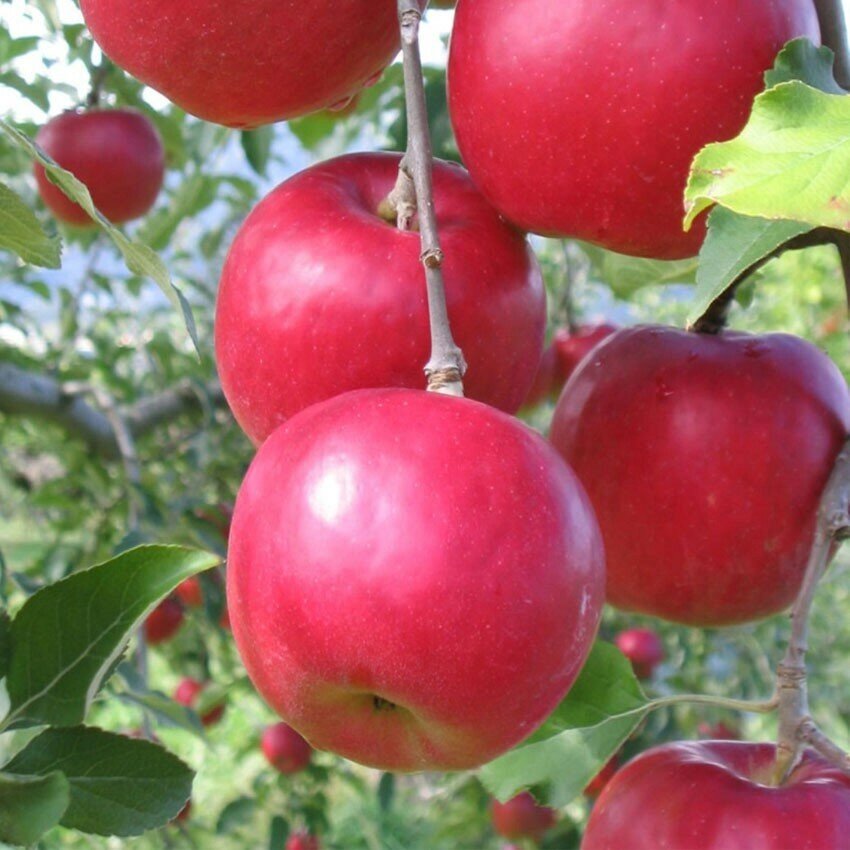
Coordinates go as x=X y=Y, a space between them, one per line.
x=719 y=795
x=719 y=732
x=302 y=841
x=572 y=346
x=190 y=592
x=547 y=381
x=597 y=785
x=521 y=817
x=285 y=749
x=164 y=621
x=396 y=557
x=644 y=648
x=581 y=119
x=188 y=693
x=243 y=63
x=705 y=458
x=117 y=153
x=320 y=295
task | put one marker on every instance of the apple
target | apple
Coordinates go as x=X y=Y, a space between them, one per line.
x=117 y=153
x=190 y=592
x=302 y=841
x=285 y=749
x=188 y=693
x=719 y=732
x=396 y=558
x=596 y=785
x=719 y=795
x=320 y=295
x=547 y=380
x=183 y=814
x=705 y=457
x=164 y=621
x=581 y=119
x=521 y=817
x=644 y=648
x=243 y=64
x=572 y=346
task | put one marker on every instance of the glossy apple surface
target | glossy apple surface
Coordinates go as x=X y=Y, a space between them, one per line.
x=188 y=693
x=319 y=295
x=572 y=346
x=521 y=817
x=644 y=648
x=718 y=795
x=164 y=621
x=117 y=153
x=581 y=119
x=395 y=558
x=285 y=749
x=248 y=62
x=705 y=458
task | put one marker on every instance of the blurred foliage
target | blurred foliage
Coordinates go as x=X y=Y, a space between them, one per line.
x=63 y=508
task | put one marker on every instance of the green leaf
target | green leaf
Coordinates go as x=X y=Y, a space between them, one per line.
x=791 y=161
x=235 y=815
x=31 y=805
x=21 y=233
x=801 y=60
x=734 y=244
x=604 y=706
x=257 y=145
x=139 y=258
x=5 y=642
x=119 y=786
x=37 y=94
x=278 y=833
x=68 y=637
x=625 y=275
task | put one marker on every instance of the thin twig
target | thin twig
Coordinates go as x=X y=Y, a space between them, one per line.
x=446 y=366
x=811 y=735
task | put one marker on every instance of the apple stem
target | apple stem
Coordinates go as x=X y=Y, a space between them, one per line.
x=98 y=78
x=833 y=26
x=414 y=194
x=796 y=727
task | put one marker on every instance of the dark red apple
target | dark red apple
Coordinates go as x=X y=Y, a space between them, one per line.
x=302 y=841
x=644 y=648
x=285 y=750
x=547 y=381
x=164 y=621
x=117 y=153
x=396 y=558
x=190 y=592
x=581 y=119
x=320 y=295
x=597 y=785
x=184 y=813
x=720 y=795
x=244 y=63
x=572 y=346
x=705 y=458
x=188 y=693
x=522 y=817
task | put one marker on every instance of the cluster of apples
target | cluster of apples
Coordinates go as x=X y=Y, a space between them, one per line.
x=415 y=580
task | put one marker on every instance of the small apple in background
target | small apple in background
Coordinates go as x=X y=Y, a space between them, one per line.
x=320 y=295
x=185 y=812
x=572 y=346
x=644 y=648
x=248 y=64
x=718 y=732
x=190 y=592
x=188 y=693
x=285 y=750
x=302 y=841
x=380 y=625
x=522 y=817
x=597 y=785
x=720 y=795
x=705 y=457
x=164 y=621
x=602 y=151
x=117 y=153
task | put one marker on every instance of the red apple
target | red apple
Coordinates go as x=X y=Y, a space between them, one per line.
x=184 y=813
x=547 y=381
x=644 y=648
x=581 y=119
x=243 y=63
x=597 y=785
x=719 y=795
x=719 y=732
x=705 y=458
x=302 y=841
x=521 y=817
x=188 y=693
x=320 y=295
x=396 y=558
x=164 y=621
x=572 y=346
x=117 y=153
x=190 y=592
x=285 y=749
